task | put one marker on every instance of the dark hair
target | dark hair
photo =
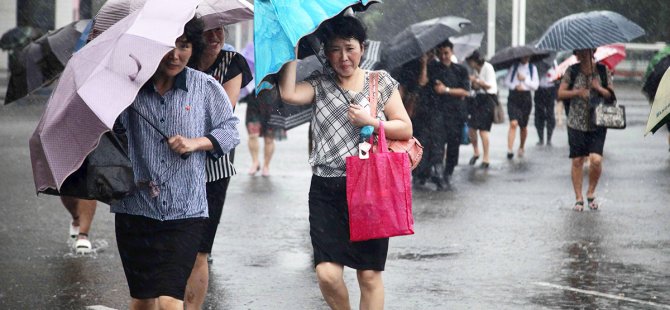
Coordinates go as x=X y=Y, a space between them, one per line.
x=476 y=57
x=193 y=33
x=345 y=27
x=446 y=43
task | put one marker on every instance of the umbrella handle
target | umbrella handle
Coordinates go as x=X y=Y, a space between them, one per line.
x=186 y=155
x=133 y=76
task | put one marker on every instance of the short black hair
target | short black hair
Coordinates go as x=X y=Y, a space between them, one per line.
x=344 y=27
x=476 y=57
x=446 y=43
x=193 y=33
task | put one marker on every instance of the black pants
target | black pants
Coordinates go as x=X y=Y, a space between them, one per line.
x=455 y=116
x=545 y=98
x=432 y=139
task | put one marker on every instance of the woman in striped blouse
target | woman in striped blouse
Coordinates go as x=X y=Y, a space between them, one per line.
x=231 y=70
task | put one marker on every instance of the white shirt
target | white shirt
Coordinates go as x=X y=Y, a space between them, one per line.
x=527 y=84
x=488 y=75
x=548 y=79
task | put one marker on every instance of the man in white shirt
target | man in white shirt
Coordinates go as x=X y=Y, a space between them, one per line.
x=521 y=80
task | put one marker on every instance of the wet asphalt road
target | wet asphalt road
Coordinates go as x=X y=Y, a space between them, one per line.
x=504 y=238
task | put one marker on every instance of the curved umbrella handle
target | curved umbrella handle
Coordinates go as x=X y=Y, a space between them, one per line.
x=139 y=67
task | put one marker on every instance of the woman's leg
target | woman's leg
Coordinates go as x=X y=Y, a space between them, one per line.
x=331 y=283
x=372 y=289
x=511 y=135
x=577 y=177
x=523 y=134
x=473 y=139
x=253 y=150
x=595 y=170
x=82 y=212
x=196 y=287
x=268 y=150
x=485 y=145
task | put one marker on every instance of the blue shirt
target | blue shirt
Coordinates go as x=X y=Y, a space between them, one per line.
x=196 y=106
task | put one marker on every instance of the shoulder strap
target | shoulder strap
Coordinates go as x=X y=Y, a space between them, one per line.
x=602 y=71
x=530 y=68
x=373 y=77
x=516 y=66
x=573 y=71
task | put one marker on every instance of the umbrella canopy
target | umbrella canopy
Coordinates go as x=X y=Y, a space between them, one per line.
x=653 y=79
x=214 y=13
x=660 y=109
x=280 y=24
x=660 y=55
x=589 y=30
x=466 y=44
x=98 y=83
x=18 y=37
x=418 y=38
x=45 y=58
x=508 y=56
x=609 y=55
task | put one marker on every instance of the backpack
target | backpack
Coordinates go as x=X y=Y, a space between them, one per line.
x=516 y=66
x=574 y=70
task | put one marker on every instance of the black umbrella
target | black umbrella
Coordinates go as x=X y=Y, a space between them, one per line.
x=589 y=30
x=44 y=59
x=654 y=78
x=419 y=38
x=18 y=37
x=508 y=56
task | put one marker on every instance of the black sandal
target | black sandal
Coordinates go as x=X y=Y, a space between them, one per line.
x=473 y=160
x=579 y=206
x=593 y=205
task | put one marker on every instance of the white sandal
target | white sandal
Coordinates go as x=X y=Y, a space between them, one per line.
x=83 y=246
x=74 y=232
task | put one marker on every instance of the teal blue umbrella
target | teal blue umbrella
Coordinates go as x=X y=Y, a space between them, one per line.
x=280 y=24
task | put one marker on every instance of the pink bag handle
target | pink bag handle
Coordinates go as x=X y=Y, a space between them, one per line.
x=372 y=98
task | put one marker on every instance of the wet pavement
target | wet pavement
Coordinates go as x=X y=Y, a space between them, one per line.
x=502 y=238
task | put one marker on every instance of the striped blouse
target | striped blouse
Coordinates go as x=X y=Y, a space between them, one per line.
x=195 y=107
x=227 y=66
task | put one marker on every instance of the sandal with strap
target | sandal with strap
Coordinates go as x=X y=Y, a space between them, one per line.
x=593 y=205
x=579 y=206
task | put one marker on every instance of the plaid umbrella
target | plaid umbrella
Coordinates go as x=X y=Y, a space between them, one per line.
x=589 y=30
x=418 y=38
x=98 y=83
x=506 y=57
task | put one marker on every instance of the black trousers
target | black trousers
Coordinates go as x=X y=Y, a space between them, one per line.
x=455 y=116
x=545 y=98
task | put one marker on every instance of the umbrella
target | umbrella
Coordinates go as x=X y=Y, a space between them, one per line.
x=660 y=55
x=280 y=24
x=18 y=37
x=45 y=58
x=589 y=30
x=418 y=38
x=609 y=55
x=660 y=109
x=505 y=58
x=654 y=77
x=289 y=116
x=98 y=83
x=466 y=44
x=214 y=13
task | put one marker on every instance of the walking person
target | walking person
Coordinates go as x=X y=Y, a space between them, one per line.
x=416 y=93
x=451 y=84
x=230 y=69
x=257 y=120
x=589 y=82
x=159 y=228
x=336 y=126
x=521 y=79
x=481 y=113
x=545 y=101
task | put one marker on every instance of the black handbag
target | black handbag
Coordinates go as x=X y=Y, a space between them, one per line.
x=106 y=174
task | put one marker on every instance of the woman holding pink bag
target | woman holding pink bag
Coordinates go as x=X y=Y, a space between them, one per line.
x=336 y=124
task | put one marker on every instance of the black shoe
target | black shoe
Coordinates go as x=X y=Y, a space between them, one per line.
x=473 y=160
x=485 y=165
x=540 y=142
x=510 y=155
x=548 y=142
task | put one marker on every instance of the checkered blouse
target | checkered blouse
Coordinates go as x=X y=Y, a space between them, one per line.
x=334 y=137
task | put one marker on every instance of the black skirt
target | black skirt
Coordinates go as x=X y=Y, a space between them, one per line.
x=481 y=112
x=329 y=229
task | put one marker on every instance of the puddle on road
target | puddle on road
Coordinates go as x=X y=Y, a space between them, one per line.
x=98 y=246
